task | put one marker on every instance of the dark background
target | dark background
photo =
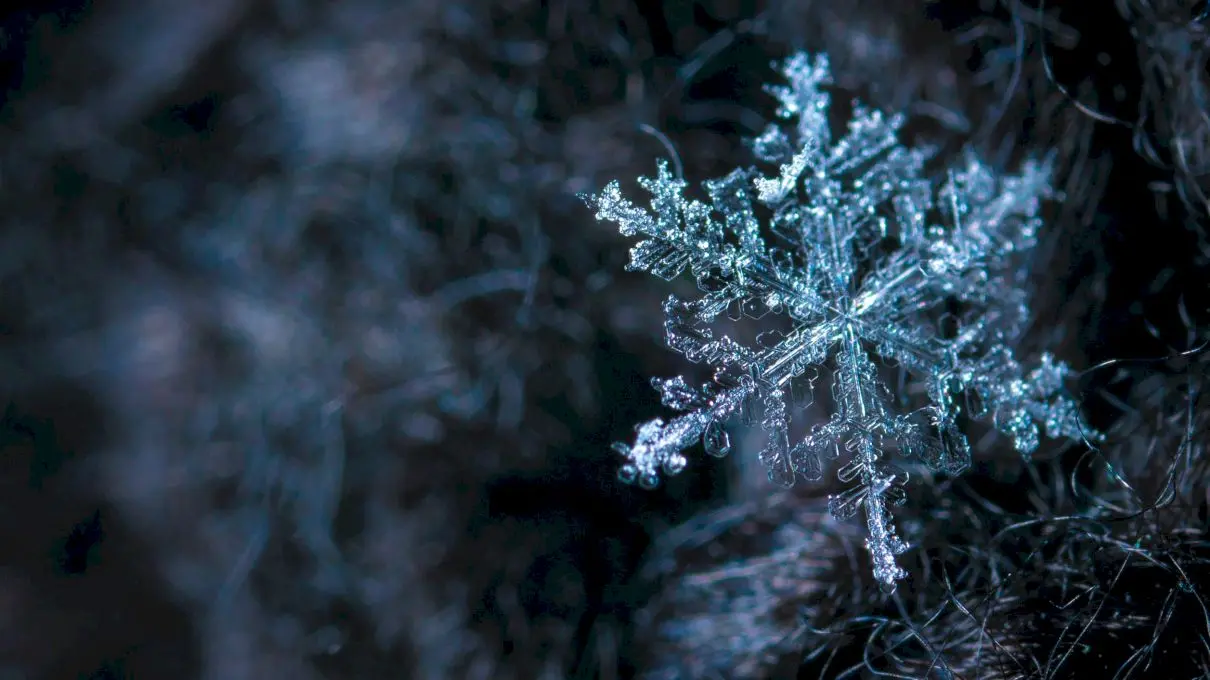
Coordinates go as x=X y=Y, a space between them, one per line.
x=311 y=357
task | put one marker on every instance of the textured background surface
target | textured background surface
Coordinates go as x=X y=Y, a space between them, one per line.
x=311 y=357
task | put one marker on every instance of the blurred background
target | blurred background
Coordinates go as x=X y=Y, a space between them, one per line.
x=310 y=357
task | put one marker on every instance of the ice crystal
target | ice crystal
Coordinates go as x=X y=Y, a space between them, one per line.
x=861 y=257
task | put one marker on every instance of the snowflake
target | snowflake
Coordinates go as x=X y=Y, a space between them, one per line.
x=862 y=258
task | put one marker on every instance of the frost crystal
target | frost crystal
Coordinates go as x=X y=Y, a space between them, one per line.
x=860 y=257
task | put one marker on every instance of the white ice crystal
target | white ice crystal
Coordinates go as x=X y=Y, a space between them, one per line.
x=861 y=257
